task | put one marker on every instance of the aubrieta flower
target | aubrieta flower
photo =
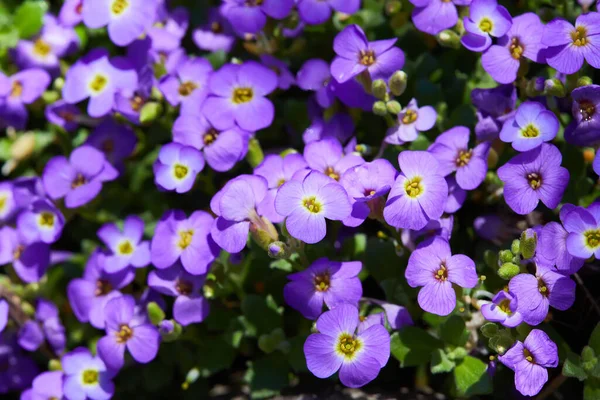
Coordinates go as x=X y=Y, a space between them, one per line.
x=536 y=293
x=523 y=39
x=327 y=156
x=441 y=228
x=47 y=385
x=337 y=346
x=188 y=85
x=314 y=75
x=17 y=91
x=169 y=28
x=433 y=267
x=533 y=176
x=116 y=141
x=250 y=16
x=451 y=150
x=531 y=126
x=314 y=12
x=277 y=170
x=177 y=166
x=433 y=16
x=583 y=226
x=125 y=331
x=569 y=45
x=88 y=295
x=529 y=360
x=339 y=127
x=99 y=79
x=8 y=205
x=456 y=196
x=4 y=308
x=222 y=149
x=486 y=20
x=552 y=242
x=86 y=376
x=503 y=309
x=238 y=97
x=126 y=19
x=30 y=260
x=494 y=106
x=285 y=77
x=46 y=325
x=216 y=34
x=71 y=13
x=63 y=114
x=411 y=120
x=583 y=131
x=187 y=239
x=419 y=193
x=22 y=369
x=41 y=222
x=307 y=203
x=366 y=185
x=126 y=246
x=190 y=306
x=79 y=178
x=324 y=281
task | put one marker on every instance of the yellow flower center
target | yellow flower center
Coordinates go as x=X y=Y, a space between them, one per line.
x=592 y=238
x=312 y=205
x=579 y=36
x=216 y=27
x=367 y=57
x=330 y=172
x=125 y=333
x=183 y=287
x=280 y=182
x=136 y=103
x=91 y=377
x=348 y=345
x=442 y=273
x=18 y=252
x=587 y=110
x=322 y=281
x=516 y=48
x=463 y=158
x=253 y=3
x=486 y=25
x=78 y=181
x=2 y=202
x=98 y=83
x=125 y=248
x=413 y=187
x=41 y=48
x=530 y=131
x=505 y=306
x=535 y=180
x=187 y=88
x=528 y=356
x=180 y=171
x=119 y=6
x=103 y=287
x=16 y=90
x=46 y=219
x=409 y=117
x=543 y=288
x=242 y=95
x=185 y=238
x=210 y=136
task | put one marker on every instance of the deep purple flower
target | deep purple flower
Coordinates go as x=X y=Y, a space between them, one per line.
x=18 y=90
x=169 y=28
x=494 y=107
x=285 y=77
x=79 y=178
x=411 y=121
x=503 y=309
x=324 y=281
x=47 y=325
x=116 y=141
x=451 y=150
x=86 y=376
x=127 y=246
x=41 y=222
x=88 y=295
x=529 y=360
x=531 y=126
x=238 y=97
x=8 y=205
x=433 y=266
x=190 y=305
x=250 y=16
x=441 y=228
x=188 y=86
x=71 y=13
x=583 y=131
x=47 y=385
x=355 y=54
x=187 y=239
x=486 y=20
x=327 y=156
x=339 y=127
x=30 y=260
x=337 y=346
x=314 y=75
x=126 y=19
x=523 y=39
x=433 y=16
x=536 y=293
x=569 y=45
x=314 y=12
x=124 y=331
x=19 y=369
x=63 y=114
x=419 y=193
x=222 y=149
x=366 y=185
x=307 y=204
x=216 y=34
x=533 y=176
x=177 y=167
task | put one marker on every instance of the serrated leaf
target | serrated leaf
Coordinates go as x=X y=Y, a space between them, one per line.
x=454 y=331
x=471 y=378
x=413 y=346
x=28 y=18
x=440 y=362
x=572 y=367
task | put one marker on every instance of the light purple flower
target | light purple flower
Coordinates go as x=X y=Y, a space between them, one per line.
x=307 y=204
x=126 y=246
x=314 y=75
x=337 y=346
x=456 y=196
x=250 y=16
x=503 y=309
x=3 y=314
x=216 y=34
x=529 y=360
x=411 y=121
x=177 y=167
x=583 y=227
x=285 y=77
x=355 y=54
x=190 y=306
x=124 y=331
x=187 y=239
x=441 y=228
x=30 y=260
x=63 y=114
x=531 y=126
x=324 y=281
x=17 y=91
x=8 y=205
x=533 y=176
x=314 y=12
x=433 y=16
x=71 y=13
x=41 y=222
x=419 y=193
x=86 y=376
x=188 y=85
x=327 y=156
x=397 y=316
x=47 y=385
x=168 y=28
x=486 y=20
x=433 y=267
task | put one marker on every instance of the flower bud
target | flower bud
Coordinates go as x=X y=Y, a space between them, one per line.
x=277 y=250
x=393 y=6
x=515 y=247
x=505 y=256
x=379 y=89
x=393 y=107
x=263 y=232
x=54 y=365
x=169 y=330
x=397 y=83
x=448 y=38
x=150 y=112
x=534 y=87
x=50 y=96
x=379 y=108
x=191 y=377
x=554 y=87
x=155 y=313
x=584 y=81
x=528 y=243
x=255 y=153
x=23 y=147
x=508 y=270
x=58 y=83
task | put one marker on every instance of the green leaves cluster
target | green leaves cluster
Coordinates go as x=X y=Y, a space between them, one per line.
x=586 y=366
x=21 y=22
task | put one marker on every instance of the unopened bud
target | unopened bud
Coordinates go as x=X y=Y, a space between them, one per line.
x=191 y=377
x=554 y=87
x=59 y=83
x=448 y=38
x=155 y=313
x=393 y=6
x=508 y=270
x=54 y=365
x=169 y=330
x=50 y=96
x=397 y=83
x=584 y=81
x=515 y=246
x=380 y=109
x=534 y=87
x=23 y=147
x=263 y=232
x=528 y=243
x=255 y=153
x=150 y=112
x=277 y=250
x=505 y=256
x=393 y=107
x=379 y=89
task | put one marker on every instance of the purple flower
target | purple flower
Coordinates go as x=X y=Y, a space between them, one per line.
x=190 y=306
x=529 y=360
x=188 y=86
x=41 y=222
x=8 y=205
x=569 y=45
x=411 y=121
x=187 y=239
x=486 y=20
x=63 y=114
x=583 y=131
x=88 y=295
x=327 y=156
x=99 y=79
x=216 y=34
x=116 y=141
x=536 y=293
x=126 y=246
x=355 y=55
x=222 y=149
x=583 y=227
x=30 y=260
x=531 y=126
x=324 y=281
x=314 y=12
x=285 y=77
x=397 y=316
x=86 y=376
x=456 y=196
x=3 y=314
x=433 y=16
x=168 y=28
x=596 y=163
x=308 y=203
x=47 y=325
x=366 y=185
x=177 y=167
x=70 y=13
x=123 y=331
x=503 y=309
x=277 y=170
x=79 y=178
x=18 y=90
x=433 y=266
x=47 y=385
x=126 y=19
x=19 y=369
x=250 y=16
x=314 y=75
x=523 y=39
x=552 y=243
x=339 y=127
x=441 y=227
x=451 y=150
x=533 y=176
x=238 y=97
x=337 y=346
x=419 y=193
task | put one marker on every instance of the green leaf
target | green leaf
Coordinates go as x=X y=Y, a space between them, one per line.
x=489 y=330
x=471 y=378
x=595 y=339
x=591 y=390
x=413 y=346
x=260 y=315
x=454 y=331
x=267 y=376
x=572 y=367
x=29 y=16
x=440 y=362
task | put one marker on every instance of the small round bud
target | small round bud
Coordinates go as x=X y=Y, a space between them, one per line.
x=380 y=109
x=255 y=153
x=515 y=246
x=528 y=243
x=448 y=38
x=169 y=330
x=505 y=256
x=393 y=6
x=393 y=107
x=277 y=250
x=54 y=365
x=150 y=112
x=508 y=270
x=397 y=83
x=379 y=89
x=584 y=81
x=155 y=313
x=554 y=87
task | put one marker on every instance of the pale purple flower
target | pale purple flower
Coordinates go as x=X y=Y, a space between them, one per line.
x=47 y=385
x=456 y=195
x=433 y=16
x=3 y=314
x=327 y=156
x=411 y=120
x=188 y=85
x=45 y=326
x=8 y=205
x=583 y=227
x=30 y=260
x=126 y=245
x=314 y=12
x=250 y=16
x=177 y=167
x=503 y=309
x=285 y=77
x=583 y=131
x=486 y=20
x=216 y=34
x=169 y=28
x=19 y=90
x=41 y=222
x=86 y=376
x=71 y=13
x=531 y=126
x=314 y=75
x=339 y=127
